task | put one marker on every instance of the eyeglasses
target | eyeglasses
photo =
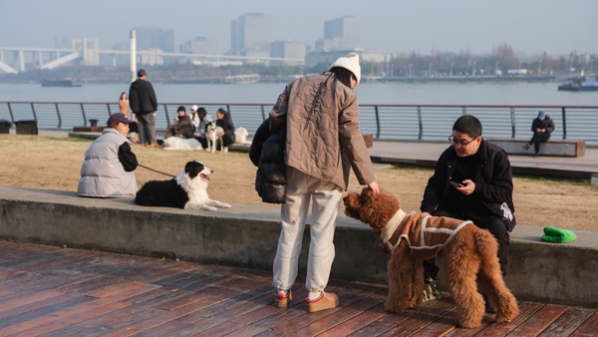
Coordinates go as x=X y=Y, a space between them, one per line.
x=458 y=142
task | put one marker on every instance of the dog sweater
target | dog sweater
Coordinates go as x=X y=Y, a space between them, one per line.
x=425 y=235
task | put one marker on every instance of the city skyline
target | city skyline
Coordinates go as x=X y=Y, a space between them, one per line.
x=530 y=27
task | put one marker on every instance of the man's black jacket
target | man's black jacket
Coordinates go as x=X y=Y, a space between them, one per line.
x=492 y=177
x=142 y=97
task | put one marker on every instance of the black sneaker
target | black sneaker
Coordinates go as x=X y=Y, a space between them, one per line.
x=431 y=291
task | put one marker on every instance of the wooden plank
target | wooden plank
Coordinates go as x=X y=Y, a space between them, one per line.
x=263 y=318
x=28 y=299
x=124 y=290
x=526 y=310
x=222 y=324
x=588 y=328
x=358 y=322
x=71 y=317
x=99 y=325
x=324 y=325
x=462 y=332
x=572 y=319
x=347 y=296
x=540 y=320
x=21 y=310
x=34 y=315
x=420 y=320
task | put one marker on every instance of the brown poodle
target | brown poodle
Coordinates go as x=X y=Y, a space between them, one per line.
x=469 y=254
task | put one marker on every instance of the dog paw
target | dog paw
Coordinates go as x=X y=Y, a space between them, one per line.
x=225 y=205
x=209 y=208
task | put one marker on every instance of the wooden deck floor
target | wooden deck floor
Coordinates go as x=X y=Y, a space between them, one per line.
x=52 y=291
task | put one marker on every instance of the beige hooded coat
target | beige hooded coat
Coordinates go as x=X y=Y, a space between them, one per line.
x=323 y=136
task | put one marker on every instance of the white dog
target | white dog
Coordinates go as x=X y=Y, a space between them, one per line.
x=188 y=190
x=177 y=143
x=213 y=134
x=241 y=135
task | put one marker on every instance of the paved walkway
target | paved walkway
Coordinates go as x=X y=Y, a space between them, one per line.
x=52 y=291
x=426 y=154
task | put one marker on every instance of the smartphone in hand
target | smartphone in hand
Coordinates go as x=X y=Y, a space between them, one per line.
x=454 y=183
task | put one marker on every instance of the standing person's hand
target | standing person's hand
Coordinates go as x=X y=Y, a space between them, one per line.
x=374 y=186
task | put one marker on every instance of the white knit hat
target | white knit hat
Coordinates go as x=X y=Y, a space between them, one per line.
x=194 y=107
x=351 y=63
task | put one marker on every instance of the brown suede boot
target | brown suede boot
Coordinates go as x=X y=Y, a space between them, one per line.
x=325 y=301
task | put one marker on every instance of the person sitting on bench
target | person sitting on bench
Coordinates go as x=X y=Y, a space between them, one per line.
x=542 y=127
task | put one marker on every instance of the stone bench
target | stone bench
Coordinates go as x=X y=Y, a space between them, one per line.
x=247 y=236
x=554 y=147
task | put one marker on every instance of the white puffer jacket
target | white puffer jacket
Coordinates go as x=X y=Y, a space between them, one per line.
x=102 y=174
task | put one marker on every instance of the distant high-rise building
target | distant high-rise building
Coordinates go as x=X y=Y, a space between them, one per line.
x=152 y=38
x=290 y=50
x=199 y=45
x=251 y=35
x=342 y=33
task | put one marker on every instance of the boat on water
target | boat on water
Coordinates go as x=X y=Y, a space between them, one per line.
x=61 y=83
x=581 y=83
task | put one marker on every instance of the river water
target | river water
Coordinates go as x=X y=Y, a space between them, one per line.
x=369 y=93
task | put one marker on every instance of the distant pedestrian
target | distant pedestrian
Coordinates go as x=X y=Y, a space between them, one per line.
x=144 y=104
x=123 y=105
x=542 y=127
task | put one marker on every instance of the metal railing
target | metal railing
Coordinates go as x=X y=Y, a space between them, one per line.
x=384 y=121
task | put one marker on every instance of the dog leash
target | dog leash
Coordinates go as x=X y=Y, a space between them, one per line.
x=151 y=169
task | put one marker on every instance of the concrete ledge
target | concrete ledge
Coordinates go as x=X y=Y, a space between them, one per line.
x=247 y=237
x=554 y=147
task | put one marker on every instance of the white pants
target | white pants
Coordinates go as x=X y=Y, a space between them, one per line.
x=326 y=197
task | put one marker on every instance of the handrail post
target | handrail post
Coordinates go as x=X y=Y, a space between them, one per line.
x=34 y=114
x=263 y=113
x=377 y=122
x=59 y=118
x=464 y=110
x=420 y=122
x=564 y=124
x=12 y=117
x=228 y=109
x=109 y=111
x=167 y=117
x=512 y=122
x=83 y=113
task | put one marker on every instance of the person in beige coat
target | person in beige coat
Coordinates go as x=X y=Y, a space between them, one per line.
x=323 y=141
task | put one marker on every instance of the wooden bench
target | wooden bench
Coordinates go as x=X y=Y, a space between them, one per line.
x=554 y=147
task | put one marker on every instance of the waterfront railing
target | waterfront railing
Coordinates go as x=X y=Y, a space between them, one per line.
x=432 y=122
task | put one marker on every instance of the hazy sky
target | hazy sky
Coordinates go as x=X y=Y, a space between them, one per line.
x=529 y=26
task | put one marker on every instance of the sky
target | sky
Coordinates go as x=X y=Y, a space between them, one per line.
x=531 y=27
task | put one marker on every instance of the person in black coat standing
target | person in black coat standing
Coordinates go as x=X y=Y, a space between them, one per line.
x=542 y=127
x=144 y=105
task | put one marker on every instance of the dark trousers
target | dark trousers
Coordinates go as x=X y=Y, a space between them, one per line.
x=494 y=225
x=202 y=140
x=146 y=127
x=538 y=138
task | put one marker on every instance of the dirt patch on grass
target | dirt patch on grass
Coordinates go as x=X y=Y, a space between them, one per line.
x=54 y=163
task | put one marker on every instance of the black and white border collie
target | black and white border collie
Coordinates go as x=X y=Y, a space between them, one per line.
x=188 y=190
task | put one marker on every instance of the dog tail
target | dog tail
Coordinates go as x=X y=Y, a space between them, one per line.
x=486 y=244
